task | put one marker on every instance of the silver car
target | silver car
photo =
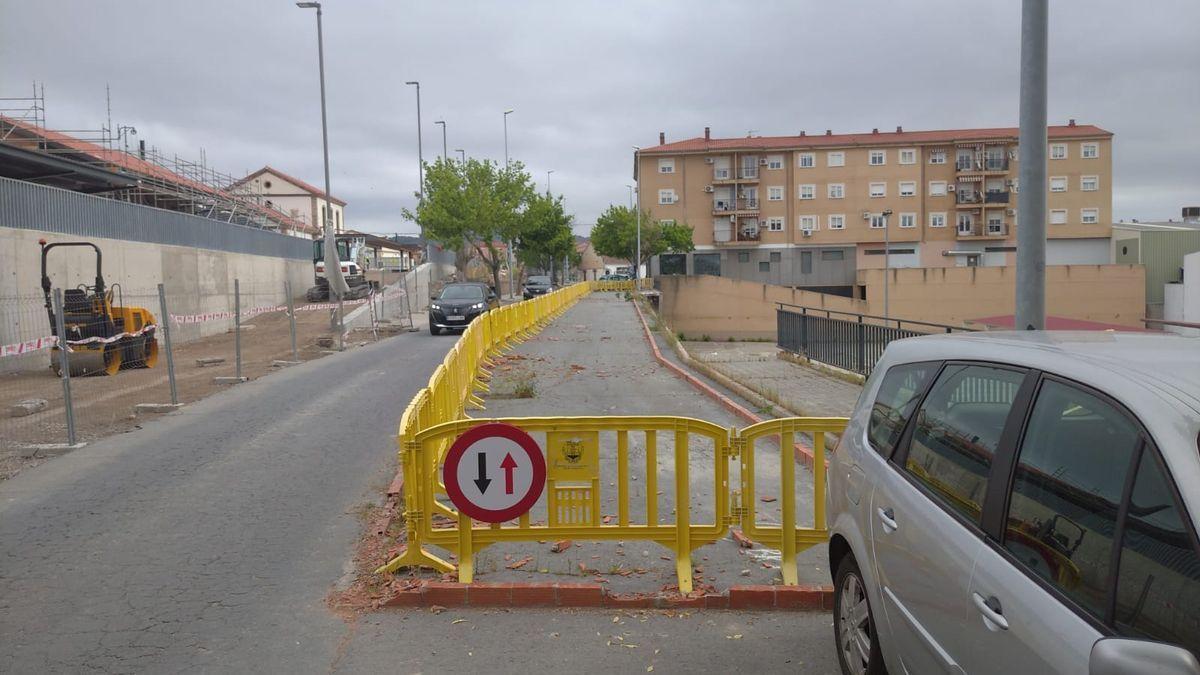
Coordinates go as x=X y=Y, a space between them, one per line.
x=1021 y=503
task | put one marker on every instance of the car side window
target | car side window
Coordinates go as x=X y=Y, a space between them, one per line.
x=957 y=432
x=1158 y=582
x=899 y=392
x=1067 y=487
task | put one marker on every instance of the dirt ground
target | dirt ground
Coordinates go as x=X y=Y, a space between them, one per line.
x=104 y=405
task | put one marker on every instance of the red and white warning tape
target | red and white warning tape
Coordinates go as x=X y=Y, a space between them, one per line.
x=49 y=341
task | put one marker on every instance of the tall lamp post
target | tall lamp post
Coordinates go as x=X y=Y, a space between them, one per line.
x=420 y=154
x=333 y=267
x=462 y=155
x=1030 y=307
x=637 y=169
x=548 y=172
x=511 y=288
x=443 y=123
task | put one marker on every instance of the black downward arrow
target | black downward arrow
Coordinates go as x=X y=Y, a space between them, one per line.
x=483 y=481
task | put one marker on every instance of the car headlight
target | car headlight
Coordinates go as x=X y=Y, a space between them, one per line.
x=478 y=305
x=435 y=306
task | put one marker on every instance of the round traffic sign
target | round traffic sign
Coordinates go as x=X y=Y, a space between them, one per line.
x=494 y=472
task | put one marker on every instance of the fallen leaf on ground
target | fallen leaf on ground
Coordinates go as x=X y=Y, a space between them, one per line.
x=520 y=563
x=560 y=546
x=459 y=621
x=437 y=609
x=768 y=498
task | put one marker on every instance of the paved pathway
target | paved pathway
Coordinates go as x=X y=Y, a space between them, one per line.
x=802 y=389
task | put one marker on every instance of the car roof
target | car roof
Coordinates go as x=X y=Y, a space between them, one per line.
x=1169 y=364
x=466 y=283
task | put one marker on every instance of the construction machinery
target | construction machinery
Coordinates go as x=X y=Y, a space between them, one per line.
x=349 y=249
x=102 y=337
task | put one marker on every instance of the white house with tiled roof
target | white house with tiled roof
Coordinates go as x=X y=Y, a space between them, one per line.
x=293 y=196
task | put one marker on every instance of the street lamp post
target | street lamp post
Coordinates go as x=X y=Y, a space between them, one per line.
x=506 y=114
x=511 y=287
x=333 y=268
x=630 y=196
x=462 y=155
x=887 y=260
x=637 y=265
x=443 y=123
x=548 y=172
x=420 y=154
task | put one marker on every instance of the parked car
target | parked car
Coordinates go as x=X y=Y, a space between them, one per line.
x=1020 y=503
x=459 y=304
x=537 y=285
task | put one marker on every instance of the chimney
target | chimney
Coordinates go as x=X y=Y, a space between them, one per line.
x=707 y=134
x=801 y=132
x=662 y=138
x=1071 y=122
x=875 y=131
x=899 y=130
x=829 y=132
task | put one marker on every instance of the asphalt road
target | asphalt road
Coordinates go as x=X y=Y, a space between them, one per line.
x=209 y=539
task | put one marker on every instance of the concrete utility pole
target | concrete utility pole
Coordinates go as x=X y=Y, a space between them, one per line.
x=630 y=196
x=637 y=265
x=512 y=273
x=1031 y=209
x=333 y=266
x=548 y=181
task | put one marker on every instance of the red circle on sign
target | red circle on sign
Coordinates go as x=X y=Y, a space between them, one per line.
x=493 y=430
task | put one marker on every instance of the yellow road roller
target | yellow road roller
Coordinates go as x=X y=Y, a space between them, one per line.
x=104 y=337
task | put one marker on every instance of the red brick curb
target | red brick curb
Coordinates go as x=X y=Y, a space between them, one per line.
x=805 y=597
x=804 y=454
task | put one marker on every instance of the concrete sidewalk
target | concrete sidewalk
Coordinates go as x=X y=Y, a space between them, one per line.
x=594 y=360
x=801 y=390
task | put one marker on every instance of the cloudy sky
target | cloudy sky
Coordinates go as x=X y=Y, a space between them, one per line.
x=590 y=79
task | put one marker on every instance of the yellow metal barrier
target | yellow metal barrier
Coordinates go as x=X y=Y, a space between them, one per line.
x=572 y=497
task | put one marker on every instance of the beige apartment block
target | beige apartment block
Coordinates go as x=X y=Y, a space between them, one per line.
x=807 y=210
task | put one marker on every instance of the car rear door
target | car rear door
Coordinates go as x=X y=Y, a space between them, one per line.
x=926 y=513
x=1054 y=576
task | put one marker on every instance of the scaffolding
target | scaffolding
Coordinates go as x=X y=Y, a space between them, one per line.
x=166 y=182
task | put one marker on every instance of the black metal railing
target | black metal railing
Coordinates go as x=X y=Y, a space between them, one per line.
x=845 y=340
x=996 y=197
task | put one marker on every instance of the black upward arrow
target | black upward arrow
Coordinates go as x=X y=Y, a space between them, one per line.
x=483 y=481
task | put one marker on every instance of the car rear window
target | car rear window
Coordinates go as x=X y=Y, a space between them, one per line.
x=898 y=394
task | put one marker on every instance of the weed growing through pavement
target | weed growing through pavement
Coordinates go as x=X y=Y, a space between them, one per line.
x=526 y=387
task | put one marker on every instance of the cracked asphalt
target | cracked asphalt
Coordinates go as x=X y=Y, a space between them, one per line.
x=208 y=539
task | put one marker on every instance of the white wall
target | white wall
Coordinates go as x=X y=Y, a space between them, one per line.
x=1078 y=251
x=1181 y=302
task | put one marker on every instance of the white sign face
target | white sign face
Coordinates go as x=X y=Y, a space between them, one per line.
x=494 y=472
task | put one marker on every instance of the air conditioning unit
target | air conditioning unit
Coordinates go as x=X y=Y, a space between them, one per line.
x=806 y=233
x=1012 y=154
x=1010 y=212
x=762 y=162
x=951 y=188
x=710 y=160
x=708 y=188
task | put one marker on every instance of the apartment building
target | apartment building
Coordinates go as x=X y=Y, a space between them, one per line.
x=810 y=210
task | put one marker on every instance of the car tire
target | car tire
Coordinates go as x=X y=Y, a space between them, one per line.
x=434 y=330
x=852 y=606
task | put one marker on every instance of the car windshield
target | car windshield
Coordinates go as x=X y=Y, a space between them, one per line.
x=462 y=293
x=538 y=281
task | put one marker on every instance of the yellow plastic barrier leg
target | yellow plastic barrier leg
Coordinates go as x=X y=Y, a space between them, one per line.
x=466 y=555
x=787 y=476
x=683 y=526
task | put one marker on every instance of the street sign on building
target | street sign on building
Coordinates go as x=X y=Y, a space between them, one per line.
x=494 y=472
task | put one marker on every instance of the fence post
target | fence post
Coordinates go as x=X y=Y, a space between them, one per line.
x=341 y=327
x=237 y=325
x=861 y=352
x=64 y=363
x=804 y=331
x=165 y=323
x=287 y=288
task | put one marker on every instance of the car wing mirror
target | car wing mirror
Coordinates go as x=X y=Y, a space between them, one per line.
x=1114 y=656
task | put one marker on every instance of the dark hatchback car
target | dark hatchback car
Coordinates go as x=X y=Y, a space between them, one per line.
x=537 y=286
x=458 y=304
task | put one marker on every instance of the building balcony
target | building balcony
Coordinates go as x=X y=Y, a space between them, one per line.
x=745 y=174
x=735 y=206
x=996 y=197
x=740 y=236
x=989 y=230
x=982 y=165
x=968 y=198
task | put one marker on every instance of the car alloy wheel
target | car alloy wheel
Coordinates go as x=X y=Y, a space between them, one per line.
x=854 y=627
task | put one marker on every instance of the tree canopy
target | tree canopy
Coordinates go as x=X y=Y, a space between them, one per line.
x=476 y=204
x=616 y=235
x=545 y=234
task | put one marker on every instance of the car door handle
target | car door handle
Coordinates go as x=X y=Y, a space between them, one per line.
x=888 y=518
x=991 y=610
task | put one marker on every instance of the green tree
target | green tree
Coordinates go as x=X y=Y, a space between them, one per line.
x=616 y=235
x=545 y=234
x=473 y=206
